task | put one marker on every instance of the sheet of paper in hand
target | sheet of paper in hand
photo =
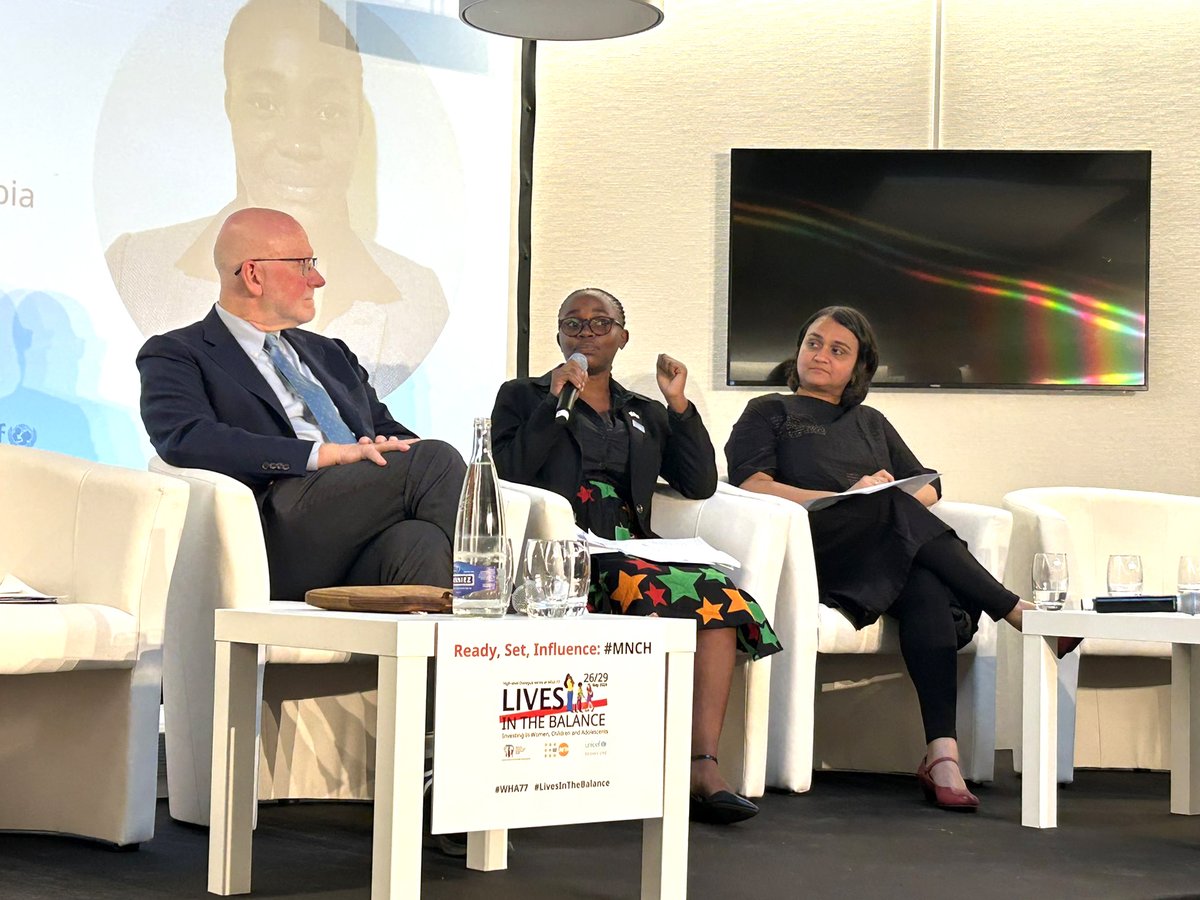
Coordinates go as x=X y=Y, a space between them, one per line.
x=908 y=485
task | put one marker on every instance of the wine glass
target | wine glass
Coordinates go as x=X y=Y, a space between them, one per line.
x=1124 y=574
x=1049 y=575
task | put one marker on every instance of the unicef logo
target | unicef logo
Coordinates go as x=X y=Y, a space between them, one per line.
x=22 y=436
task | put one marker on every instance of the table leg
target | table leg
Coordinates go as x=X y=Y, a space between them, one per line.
x=399 y=777
x=234 y=765
x=665 y=840
x=1039 y=729
x=1185 y=729
x=487 y=851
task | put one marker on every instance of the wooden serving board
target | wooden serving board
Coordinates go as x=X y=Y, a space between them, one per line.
x=390 y=598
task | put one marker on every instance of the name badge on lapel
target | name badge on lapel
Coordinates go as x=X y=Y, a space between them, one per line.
x=633 y=420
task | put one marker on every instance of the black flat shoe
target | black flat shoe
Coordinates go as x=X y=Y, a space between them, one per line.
x=721 y=808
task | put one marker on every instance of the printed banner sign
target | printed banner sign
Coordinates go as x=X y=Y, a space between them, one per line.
x=547 y=722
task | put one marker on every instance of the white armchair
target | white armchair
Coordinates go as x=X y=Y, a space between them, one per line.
x=79 y=680
x=842 y=699
x=318 y=708
x=1114 y=696
x=735 y=522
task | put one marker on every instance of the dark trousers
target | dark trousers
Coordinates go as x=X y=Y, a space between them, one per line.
x=944 y=573
x=365 y=524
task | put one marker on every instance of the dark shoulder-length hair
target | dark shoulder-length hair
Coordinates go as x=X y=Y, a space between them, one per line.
x=868 y=351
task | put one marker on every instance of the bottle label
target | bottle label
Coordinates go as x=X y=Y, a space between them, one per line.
x=472 y=579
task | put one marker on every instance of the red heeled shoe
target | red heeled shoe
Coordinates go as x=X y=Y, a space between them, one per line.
x=1066 y=645
x=945 y=797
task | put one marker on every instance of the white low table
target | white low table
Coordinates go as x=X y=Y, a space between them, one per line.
x=404 y=645
x=1039 y=708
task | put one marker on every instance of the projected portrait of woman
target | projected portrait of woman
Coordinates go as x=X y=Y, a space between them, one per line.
x=300 y=125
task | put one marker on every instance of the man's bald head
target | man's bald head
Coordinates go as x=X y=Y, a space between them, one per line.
x=249 y=234
x=265 y=247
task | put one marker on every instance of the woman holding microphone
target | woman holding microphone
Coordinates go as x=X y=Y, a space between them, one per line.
x=606 y=462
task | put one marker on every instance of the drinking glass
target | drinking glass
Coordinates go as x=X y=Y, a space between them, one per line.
x=1124 y=575
x=541 y=570
x=577 y=563
x=519 y=593
x=1189 y=585
x=556 y=578
x=1049 y=577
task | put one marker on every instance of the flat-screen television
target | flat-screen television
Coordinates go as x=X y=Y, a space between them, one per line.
x=977 y=268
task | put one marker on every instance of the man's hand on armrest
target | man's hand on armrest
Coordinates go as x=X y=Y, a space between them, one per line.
x=343 y=454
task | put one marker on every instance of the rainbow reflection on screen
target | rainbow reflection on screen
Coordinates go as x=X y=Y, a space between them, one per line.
x=981 y=268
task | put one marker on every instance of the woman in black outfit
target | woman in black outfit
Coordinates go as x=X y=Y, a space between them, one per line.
x=606 y=461
x=876 y=553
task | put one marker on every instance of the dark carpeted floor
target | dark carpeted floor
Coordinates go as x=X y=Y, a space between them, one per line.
x=853 y=835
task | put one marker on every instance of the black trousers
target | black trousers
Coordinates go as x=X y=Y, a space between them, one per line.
x=365 y=524
x=944 y=573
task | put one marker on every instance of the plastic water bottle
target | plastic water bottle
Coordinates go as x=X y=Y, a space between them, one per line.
x=481 y=558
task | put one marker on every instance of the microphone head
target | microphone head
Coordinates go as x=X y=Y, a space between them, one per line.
x=579 y=358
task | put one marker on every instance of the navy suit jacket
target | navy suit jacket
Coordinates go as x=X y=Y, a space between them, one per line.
x=205 y=404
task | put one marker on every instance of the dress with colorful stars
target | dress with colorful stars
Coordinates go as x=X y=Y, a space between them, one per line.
x=637 y=587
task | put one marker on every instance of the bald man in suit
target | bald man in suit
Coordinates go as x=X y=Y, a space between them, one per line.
x=347 y=494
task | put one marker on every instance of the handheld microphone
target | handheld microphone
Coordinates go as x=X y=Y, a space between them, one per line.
x=569 y=393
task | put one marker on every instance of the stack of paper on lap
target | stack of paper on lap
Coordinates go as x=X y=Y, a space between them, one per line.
x=14 y=590
x=677 y=550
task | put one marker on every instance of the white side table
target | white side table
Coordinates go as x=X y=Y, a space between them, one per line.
x=404 y=645
x=1039 y=706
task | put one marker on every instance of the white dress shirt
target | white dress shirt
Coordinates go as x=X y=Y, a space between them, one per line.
x=253 y=341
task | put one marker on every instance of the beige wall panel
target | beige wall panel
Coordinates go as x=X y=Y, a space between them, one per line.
x=631 y=192
x=631 y=177
x=1080 y=74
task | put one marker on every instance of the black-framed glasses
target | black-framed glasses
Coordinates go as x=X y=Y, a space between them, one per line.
x=598 y=325
x=307 y=263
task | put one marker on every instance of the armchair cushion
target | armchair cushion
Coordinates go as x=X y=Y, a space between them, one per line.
x=735 y=522
x=1090 y=524
x=755 y=533
x=1113 y=696
x=986 y=531
x=80 y=736
x=318 y=725
x=63 y=637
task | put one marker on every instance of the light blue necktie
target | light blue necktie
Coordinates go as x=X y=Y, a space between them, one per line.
x=314 y=395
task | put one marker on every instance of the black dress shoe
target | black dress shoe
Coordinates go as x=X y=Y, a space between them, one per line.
x=721 y=808
x=453 y=845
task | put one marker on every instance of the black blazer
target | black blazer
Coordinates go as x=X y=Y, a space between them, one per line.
x=529 y=447
x=206 y=406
